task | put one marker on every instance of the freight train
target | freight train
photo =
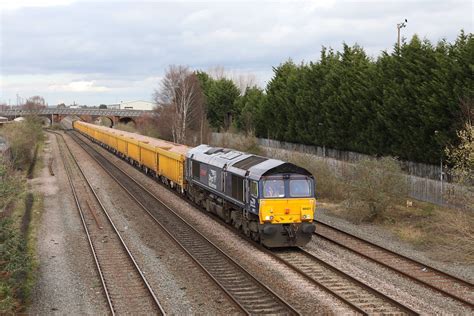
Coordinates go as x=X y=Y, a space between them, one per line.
x=269 y=200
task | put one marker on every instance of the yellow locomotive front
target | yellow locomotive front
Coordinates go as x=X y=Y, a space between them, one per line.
x=286 y=207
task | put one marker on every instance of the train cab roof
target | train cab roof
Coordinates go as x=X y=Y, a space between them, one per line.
x=243 y=164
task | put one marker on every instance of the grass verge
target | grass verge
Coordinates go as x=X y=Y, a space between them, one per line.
x=20 y=210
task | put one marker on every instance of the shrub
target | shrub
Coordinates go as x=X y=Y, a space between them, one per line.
x=22 y=138
x=375 y=185
x=11 y=185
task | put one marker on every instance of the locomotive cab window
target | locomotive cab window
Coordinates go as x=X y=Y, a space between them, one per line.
x=300 y=188
x=274 y=188
x=254 y=188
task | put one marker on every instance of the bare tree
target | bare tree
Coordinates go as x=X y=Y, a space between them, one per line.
x=217 y=72
x=244 y=81
x=241 y=80
x=179 y=97
x=35 y=102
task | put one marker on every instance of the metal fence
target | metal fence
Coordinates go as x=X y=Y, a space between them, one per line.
x=412 y=168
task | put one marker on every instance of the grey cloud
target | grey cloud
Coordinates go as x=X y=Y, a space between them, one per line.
x=135 y=40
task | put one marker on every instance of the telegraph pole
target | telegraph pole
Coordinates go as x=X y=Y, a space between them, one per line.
x=400 y=26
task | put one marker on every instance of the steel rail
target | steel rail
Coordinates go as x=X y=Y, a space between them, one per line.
x=362 y=286
x=242 y=304
x=448 y=278
x=84 y=225
x=125 y=247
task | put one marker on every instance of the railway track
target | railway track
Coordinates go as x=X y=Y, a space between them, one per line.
x=251 y=295
x=361 y=297
x=125 y=287
x=451 y=286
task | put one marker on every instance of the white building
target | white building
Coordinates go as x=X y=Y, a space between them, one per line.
x=132 y=105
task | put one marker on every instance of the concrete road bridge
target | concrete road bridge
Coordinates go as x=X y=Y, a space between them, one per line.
x=88 y=115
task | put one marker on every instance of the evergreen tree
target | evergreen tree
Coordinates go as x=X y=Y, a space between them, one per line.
x=221 y=97
x=249 y=109
x=409 y=103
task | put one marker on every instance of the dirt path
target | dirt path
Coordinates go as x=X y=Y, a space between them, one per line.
x=67 y=282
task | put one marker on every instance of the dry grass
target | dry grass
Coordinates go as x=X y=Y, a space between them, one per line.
x=453 y=231
x=240 y=142
x=126 y=127
x=444 y=234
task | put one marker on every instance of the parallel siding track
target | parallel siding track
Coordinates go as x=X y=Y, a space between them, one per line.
x=125 y=287
x=451 y=286
x=251 y=295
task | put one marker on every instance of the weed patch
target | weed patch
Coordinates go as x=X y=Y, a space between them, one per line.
x=15 y=268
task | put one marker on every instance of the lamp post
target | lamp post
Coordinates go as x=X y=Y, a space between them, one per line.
x=400 y=26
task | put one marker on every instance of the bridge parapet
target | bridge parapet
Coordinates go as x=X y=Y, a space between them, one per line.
x=66 y=111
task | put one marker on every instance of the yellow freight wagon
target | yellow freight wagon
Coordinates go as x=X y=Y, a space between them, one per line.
x=164 y=158
x=133 y=149
x=148 y=156
x=171 y=166
x=112 y=141
x=122 y=145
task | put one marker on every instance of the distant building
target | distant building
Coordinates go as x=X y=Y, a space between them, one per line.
x=115 y=106
x=132 y=105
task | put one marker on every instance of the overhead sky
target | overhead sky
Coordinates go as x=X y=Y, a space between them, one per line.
x=93 y=52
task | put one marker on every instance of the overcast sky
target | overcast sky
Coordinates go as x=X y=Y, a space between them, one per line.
x=94 y=52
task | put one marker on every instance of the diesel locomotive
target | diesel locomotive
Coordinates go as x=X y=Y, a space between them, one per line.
x=269 y=200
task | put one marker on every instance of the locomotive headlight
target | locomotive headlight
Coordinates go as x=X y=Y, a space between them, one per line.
x=268 y=217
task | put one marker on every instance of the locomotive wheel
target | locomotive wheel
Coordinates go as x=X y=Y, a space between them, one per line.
x=255 y=236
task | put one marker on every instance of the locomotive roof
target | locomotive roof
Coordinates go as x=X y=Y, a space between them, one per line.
x=240 y=163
